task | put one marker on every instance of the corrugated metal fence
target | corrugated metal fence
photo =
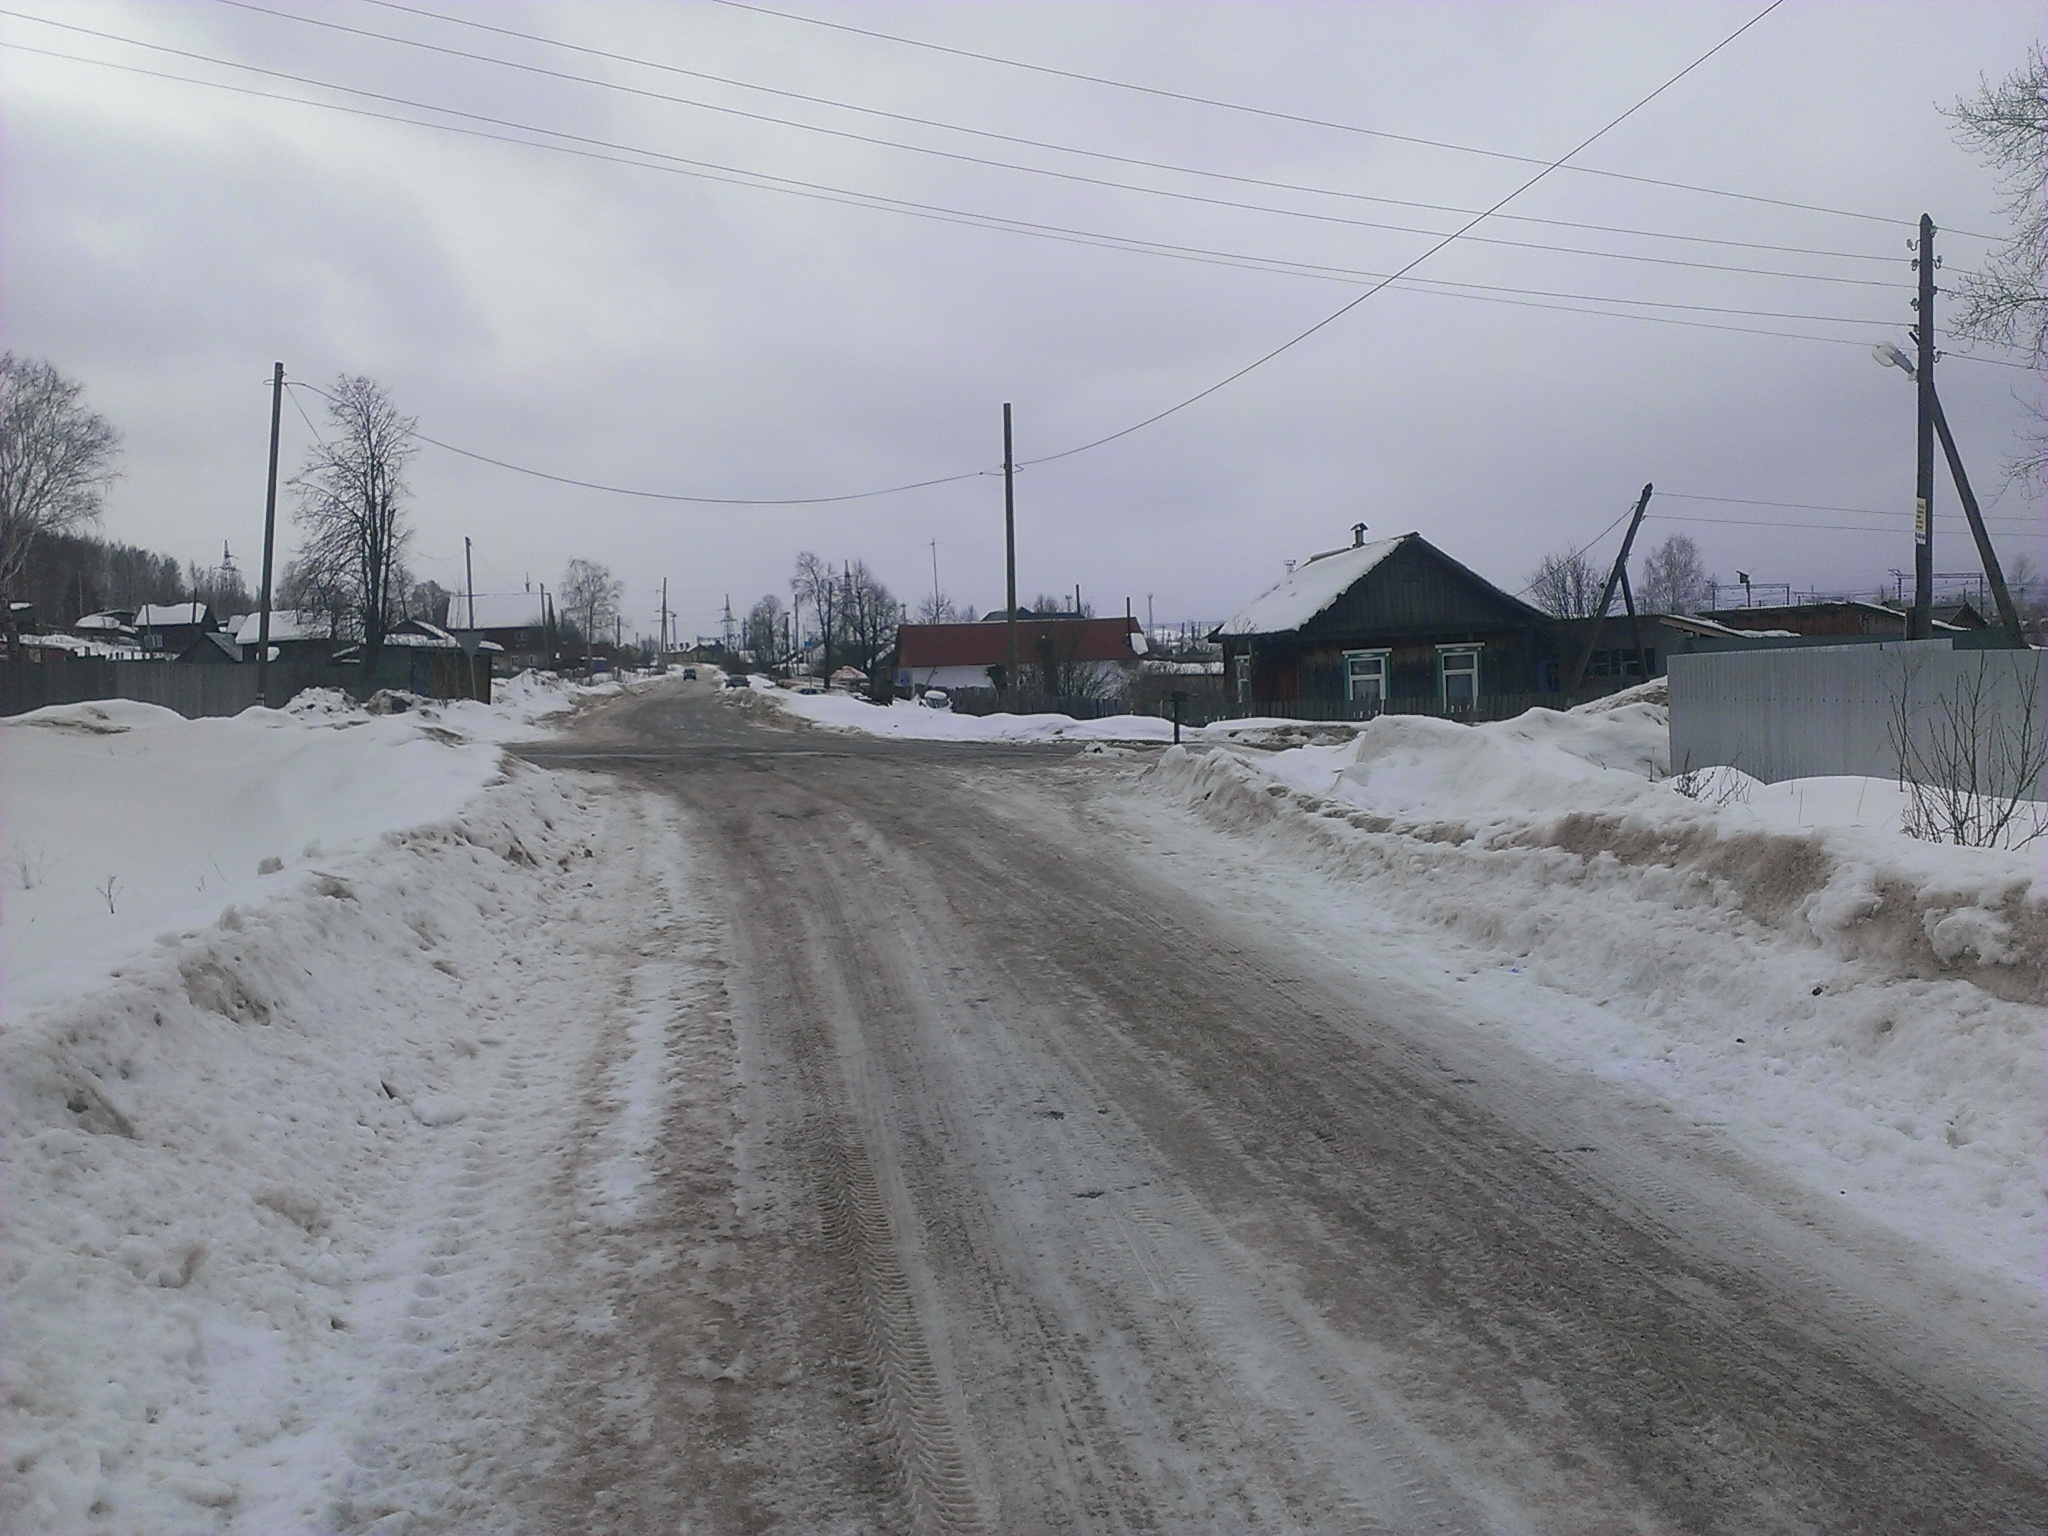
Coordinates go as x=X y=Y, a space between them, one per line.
x=1807 y=713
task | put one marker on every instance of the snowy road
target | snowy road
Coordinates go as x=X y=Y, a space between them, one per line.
x=1027 y=1183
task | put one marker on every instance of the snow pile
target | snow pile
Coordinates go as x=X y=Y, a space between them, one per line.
x=123 y=819
x=203 y=1160
x=1778 y=958
x=913 y=722
x=245 y=1114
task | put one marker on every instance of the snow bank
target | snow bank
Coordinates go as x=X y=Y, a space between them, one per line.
x=838 y=711
x=244 y=1098
x=204 y=1160
x=1776 y=958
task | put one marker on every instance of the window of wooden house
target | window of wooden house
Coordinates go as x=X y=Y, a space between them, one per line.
x=1241 y=670
x=1365 y=677
x=1458 y=675
x=1622 y=661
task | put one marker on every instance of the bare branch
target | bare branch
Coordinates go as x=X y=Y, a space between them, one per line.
x=56 y=459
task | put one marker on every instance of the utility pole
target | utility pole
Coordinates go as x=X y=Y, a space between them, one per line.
x=1921 y=626
x=2008 y=615
x=1616 y=577
x=1010 y=563
x=469 y=580
x=664 y=621
x=269 y=540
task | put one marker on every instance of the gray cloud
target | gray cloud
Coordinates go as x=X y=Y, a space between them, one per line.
x=639 y=327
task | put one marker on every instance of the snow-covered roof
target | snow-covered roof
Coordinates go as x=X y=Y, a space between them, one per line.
x=111 y=619
x=162 y=615
x=420 y=635
x=497 y=610
x=1312 y=587
x=286 y=624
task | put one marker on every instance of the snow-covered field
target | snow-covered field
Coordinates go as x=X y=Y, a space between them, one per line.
x=248 y=1083
x=1862 y=1010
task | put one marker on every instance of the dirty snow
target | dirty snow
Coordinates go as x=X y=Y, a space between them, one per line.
x=1862 y=1009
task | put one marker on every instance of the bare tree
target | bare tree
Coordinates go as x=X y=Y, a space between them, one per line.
x=819 y=588
x=428 y=600
x=1566 y=585
x=1674 y=581
x=939 y=609
x=351 y=493
x=872 y=614
x=761 y=632
x=589 y=596
x=1972 y=757
x=56 y=459
x=2005 y=301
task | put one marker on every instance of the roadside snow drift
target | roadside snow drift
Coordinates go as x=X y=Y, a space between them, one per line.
x=245 y=1097
x=1781 y=960
x=913 y=722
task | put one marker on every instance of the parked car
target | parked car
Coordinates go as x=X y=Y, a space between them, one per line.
x=733 y=680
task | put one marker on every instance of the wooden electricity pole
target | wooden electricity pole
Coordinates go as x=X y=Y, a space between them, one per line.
x=1921 y=625
x=1616 y=577
x=269 y=539
x=1010 y=562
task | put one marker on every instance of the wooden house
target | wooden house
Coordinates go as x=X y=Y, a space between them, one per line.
x=172 y=628
x=1387 y=624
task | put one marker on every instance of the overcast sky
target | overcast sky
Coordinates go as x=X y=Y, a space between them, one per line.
x=640 y=325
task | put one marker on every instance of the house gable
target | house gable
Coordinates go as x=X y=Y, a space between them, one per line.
x=1418 y=589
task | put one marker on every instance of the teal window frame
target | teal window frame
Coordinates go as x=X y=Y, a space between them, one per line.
x=1444 y=653
x=1384 y=658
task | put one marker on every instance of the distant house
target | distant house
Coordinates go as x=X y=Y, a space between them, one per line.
x=1101 y=653
x=212 y=648
x=1384 y=624
x=426 y=659
x=172 y=627
x=515 y=622
x=296 y=634
x=115 y=626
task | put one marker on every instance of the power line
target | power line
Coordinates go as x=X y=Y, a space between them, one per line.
x=761 y=181
x=1571 y=555
x=1292 y=117
x=1008 y=165
x=646 y=495
x=425 y=106
x=1298 y=338
x=1097 y=154
x=1744 y=522
x=1896 y=514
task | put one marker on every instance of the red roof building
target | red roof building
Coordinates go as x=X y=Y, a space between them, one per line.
x=961 y=655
